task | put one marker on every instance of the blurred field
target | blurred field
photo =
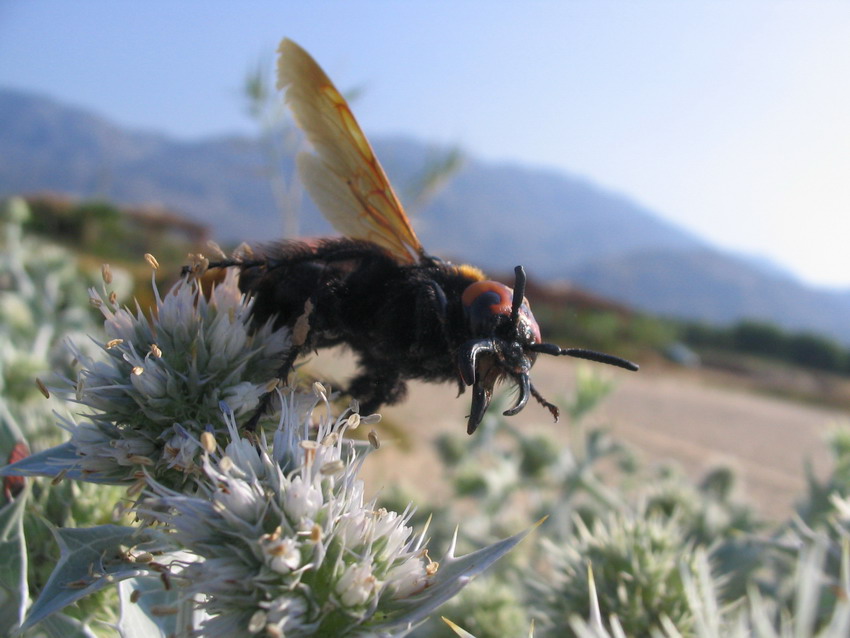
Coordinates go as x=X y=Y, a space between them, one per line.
x=696 y=419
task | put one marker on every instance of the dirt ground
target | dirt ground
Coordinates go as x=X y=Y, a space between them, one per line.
x=666 y=415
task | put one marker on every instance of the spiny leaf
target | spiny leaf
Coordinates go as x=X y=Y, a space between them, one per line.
x=91 y=559
x=59 y=460
x=453 y=575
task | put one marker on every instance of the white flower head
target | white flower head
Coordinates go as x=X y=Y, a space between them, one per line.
x=288 y=529
x=160 y=380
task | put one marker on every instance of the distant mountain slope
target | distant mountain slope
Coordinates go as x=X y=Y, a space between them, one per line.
x=494 y=215
x=713 y=286
x=49 y=146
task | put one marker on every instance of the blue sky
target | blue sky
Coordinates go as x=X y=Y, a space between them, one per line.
x=731 y=119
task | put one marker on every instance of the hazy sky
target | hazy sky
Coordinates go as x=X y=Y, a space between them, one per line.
x=731 y=119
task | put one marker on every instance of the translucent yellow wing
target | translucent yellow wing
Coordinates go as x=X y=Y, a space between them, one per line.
x=343 y=177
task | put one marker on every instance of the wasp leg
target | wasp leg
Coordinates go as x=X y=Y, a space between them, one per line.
x=553 y=409
x=376 y=386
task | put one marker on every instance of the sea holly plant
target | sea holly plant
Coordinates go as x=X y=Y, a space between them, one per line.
x=303 y=553
x=235 y=532
x=158 y=385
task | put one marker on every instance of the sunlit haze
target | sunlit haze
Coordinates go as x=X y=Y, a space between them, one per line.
x=729 y=119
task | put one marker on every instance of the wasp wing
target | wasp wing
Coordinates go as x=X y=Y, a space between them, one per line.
x=343 y=177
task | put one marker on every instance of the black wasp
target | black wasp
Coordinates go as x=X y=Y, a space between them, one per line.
x=406 y=314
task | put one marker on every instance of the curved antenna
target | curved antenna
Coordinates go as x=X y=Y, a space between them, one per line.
x=519 y=294
x=581 y=353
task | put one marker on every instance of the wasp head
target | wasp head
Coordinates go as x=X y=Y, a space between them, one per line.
x=505 y=346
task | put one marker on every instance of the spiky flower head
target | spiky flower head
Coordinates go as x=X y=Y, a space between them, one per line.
x=156 y=387
x=637 y=563
x=298 y=553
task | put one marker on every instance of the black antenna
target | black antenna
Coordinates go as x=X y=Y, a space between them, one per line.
x=601 y=357
x=519 y=294
x=581 y=353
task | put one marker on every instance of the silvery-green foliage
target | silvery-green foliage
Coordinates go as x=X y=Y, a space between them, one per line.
x=505 y=465
x=818 y=507
x=91 y=560
x=757 y=616
x=752 y=616
x=823 y=518
x=635 y=560
x=504 y=475
x=711 y=516
x=717 y=569
x=43 y=301
x=573 y=484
